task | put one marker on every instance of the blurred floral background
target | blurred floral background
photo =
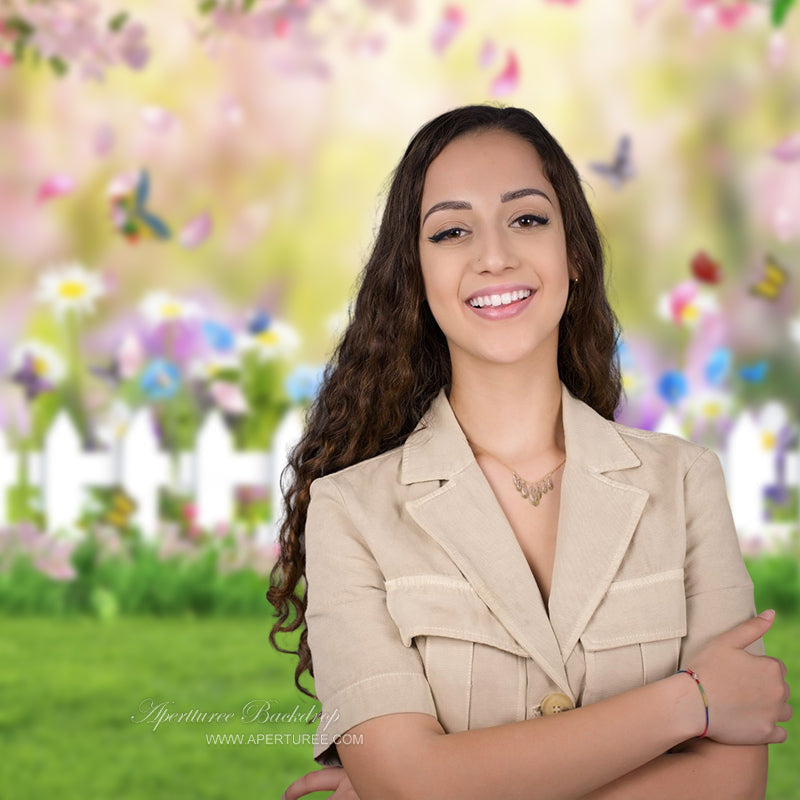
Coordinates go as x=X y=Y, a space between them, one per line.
x=188 y=191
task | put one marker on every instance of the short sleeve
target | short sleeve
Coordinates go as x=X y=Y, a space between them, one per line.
x=719 y=590
x=362 y=669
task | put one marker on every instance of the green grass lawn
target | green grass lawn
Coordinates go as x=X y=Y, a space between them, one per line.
x=69 y=687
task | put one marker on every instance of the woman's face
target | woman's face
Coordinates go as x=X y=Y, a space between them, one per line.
x=491 y=225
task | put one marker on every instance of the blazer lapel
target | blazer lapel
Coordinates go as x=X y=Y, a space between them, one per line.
x=598 y=515
x=596 y=521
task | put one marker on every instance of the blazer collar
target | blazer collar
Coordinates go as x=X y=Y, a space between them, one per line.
x=597 y=517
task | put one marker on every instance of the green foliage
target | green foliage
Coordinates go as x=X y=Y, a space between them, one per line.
x=776 y=578
x=780 y=9
x=44 y=409
x=262 y=383
x=134 y=577
x=117 y=22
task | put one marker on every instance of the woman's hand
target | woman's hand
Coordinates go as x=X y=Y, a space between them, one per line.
x=747 y=695
x=322 y=780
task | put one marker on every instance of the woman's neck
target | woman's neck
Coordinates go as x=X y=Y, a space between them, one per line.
x=515 y=417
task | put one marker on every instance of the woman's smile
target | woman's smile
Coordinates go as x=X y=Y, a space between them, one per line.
x=500 y=303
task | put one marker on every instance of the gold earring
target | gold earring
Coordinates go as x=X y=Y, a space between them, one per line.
x=571 y=297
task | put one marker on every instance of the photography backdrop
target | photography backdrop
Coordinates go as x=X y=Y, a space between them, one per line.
x=188 y=191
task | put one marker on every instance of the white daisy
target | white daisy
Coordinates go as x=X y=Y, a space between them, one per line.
x=277 y=340
x=161 y=306
x=210 y=367
x=47 y=363
x=711 y=405
x=771 y=420
x=70 y=288
x=114 y=424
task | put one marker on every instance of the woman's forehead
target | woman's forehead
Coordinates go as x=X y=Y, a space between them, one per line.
x=494 y=161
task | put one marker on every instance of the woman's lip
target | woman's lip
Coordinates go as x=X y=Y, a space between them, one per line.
x=503 y=312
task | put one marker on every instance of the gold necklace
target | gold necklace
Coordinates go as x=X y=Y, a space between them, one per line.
x=529 y=491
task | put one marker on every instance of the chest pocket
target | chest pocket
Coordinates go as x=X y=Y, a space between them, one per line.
x=634 y=636
x=475 y=668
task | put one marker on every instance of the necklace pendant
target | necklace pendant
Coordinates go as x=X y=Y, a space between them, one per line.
x=533 y=491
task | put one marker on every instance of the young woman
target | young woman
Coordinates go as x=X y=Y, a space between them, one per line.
x=502 y=583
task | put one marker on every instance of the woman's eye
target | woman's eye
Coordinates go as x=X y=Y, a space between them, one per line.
x=531 y=220
x=450 y=233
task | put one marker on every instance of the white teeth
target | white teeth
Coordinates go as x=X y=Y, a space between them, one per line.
x=499 y=299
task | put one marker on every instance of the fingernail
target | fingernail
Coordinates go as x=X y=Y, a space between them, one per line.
x=768 y=614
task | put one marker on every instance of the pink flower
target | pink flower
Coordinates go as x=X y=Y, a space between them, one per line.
x=228 y=396
x=196 y=230
x=708 y=13
x=506 y=82
x=448 y=26
x=777 y=198
x=55 y=186
x=788 y=149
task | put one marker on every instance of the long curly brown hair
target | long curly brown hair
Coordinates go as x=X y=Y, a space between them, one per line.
x=393 y=359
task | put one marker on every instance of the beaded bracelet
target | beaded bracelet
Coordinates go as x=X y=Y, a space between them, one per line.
x=692 y=674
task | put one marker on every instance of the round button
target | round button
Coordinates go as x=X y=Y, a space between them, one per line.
x=556 y=703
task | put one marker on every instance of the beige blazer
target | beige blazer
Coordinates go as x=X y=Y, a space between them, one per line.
x=420 y=597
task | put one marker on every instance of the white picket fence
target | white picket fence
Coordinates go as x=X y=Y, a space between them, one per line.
x=211 y=473
x=750 y=466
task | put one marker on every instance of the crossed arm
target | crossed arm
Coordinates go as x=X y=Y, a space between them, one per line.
x=698 y=769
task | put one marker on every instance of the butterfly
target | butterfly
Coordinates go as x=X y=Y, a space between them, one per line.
x=755 y=372
x=621 y=168
x=120 y=509
x=259 y=322
x=30 y=379
x=771 y=285
x=128 y=209
x=705 y=268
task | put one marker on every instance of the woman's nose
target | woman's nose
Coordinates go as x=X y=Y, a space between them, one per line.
x=494 y=251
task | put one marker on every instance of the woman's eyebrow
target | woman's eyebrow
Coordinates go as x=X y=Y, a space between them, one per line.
x=454 y=205
x=462 y=205
x=517 y=193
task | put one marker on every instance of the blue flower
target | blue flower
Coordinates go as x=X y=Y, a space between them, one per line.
x=160 y=379
x=718 y=366
x=673 y=386
x=218 y=336
x=303 y=382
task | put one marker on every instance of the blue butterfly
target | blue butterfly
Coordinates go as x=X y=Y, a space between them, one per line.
x=621 y=168
x=754 y=373
x=259 y=322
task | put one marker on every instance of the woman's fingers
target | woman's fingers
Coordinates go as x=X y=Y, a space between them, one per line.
x=319 y=780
